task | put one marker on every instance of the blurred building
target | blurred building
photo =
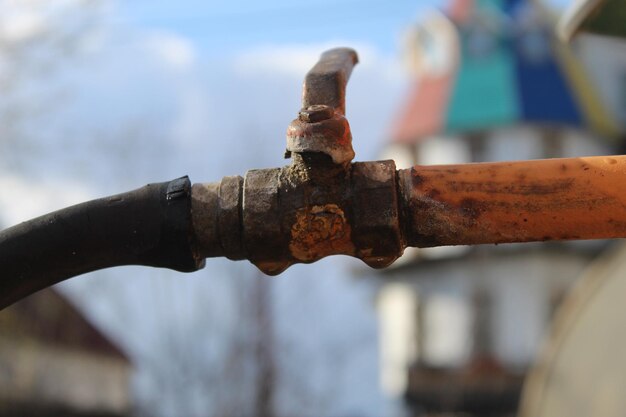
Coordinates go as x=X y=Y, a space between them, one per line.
x=579 y=371
x=54 y=362
x=460 y=326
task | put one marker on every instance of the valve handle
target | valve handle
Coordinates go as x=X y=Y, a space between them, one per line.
x=325 y=83
x=321 y=126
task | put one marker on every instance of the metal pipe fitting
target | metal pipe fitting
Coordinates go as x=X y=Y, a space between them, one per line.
x=324 y=205
x=319 y=205
x=302 y=213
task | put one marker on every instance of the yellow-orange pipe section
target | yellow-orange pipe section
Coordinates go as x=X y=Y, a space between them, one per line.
x=552 y=199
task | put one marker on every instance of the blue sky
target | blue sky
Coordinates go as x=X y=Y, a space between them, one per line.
x=207 y=88
x=221 y=25
x=217 y=27
x=165 y=89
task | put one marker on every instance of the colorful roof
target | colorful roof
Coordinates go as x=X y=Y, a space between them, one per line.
x=508 y=69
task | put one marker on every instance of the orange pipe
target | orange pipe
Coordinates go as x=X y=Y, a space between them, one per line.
x=552 y=199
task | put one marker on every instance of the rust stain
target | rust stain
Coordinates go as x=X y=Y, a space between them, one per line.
x=417 y=179
x=519 y=188
x=522 y=201
x=472 y=208
x=319 y=231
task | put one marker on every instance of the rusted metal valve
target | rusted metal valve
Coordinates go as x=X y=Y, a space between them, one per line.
x=324 y=205
x=319 y=205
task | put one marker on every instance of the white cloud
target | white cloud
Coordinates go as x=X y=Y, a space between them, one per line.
x=21 y=25
x=296 y=59
x=21 y=199
x=291 y=60
x=176 y=51
x=374 y=91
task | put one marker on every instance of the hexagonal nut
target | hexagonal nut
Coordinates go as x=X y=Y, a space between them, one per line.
x=331 y=137
x=204 y=209
x=376 y=225
x=316 y=113
x=229 y=216
x=263 y=241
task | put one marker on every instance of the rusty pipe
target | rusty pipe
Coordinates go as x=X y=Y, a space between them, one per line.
x=301 y=213
x=321 y=204
x=506 y=202
x=315 y=208
x=305 y=211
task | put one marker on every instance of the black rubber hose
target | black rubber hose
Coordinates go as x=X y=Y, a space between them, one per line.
x=149 y=226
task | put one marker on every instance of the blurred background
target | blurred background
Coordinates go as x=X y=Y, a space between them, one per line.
x=102 y=96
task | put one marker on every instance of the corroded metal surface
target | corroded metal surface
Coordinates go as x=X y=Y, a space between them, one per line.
x=302 y=213
x=331 y=137
x=326 y=82
x=204 y=208
x=323 y=205
x=229 y=216
x=376 y=213
x=557 y=199
x=263 y=239
x=321 y=125
x=315 y=208
x=320 y=231
x=320 y=205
